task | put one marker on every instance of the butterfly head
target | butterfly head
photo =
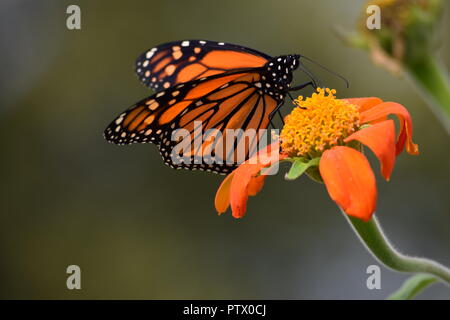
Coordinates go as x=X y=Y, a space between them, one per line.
x=293 y=60
x=279 y=72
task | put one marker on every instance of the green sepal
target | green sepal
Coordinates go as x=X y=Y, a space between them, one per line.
x=299 y=166
x=314 y=174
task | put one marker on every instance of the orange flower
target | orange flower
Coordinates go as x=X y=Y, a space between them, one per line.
x=246 y=181
x=329 y=133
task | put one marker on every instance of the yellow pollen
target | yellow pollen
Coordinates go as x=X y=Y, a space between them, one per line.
x=318 y=123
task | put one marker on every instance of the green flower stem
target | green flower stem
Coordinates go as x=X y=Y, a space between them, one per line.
x=412 y=286
x=376 y=242
x=429 y=76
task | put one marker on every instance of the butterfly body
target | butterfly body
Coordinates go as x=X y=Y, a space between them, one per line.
x=209 y=86
x=277 y=75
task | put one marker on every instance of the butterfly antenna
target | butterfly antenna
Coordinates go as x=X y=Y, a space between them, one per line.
x=347 y=84
x=316 y=82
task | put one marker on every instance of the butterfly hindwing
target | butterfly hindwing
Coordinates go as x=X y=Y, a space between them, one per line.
x=177 y=62
x=227 y=101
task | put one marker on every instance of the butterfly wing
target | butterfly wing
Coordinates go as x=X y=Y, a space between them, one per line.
x=177 y=62
x=199 y=113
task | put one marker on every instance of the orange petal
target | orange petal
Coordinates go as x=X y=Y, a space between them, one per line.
x=364 y=103
x=380 y=138
x=386 y=108
x=222 y=200
x=240 y=188
x=247 y=180
x=255 y=185
x=350 y=181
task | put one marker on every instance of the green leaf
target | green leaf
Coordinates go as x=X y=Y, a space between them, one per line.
x=413 y=286
x=299 y=166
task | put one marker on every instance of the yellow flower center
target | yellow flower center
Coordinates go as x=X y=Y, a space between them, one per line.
x=320 y=122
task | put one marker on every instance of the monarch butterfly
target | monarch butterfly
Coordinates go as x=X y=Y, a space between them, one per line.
x=211 y=85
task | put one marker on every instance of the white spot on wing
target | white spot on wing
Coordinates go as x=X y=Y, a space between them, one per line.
x=119 y=120
x=150 y=53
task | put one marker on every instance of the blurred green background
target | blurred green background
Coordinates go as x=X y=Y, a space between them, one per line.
x=139 y=229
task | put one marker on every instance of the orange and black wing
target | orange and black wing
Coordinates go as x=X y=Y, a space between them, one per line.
x=189 y=121
x=177 y=62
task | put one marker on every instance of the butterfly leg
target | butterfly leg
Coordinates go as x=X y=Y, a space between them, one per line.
x=272 y=114
x=299 y=87
x=304 y=85
x=281 y=116
x=271 y=123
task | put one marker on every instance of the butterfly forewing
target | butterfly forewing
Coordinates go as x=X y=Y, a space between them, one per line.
x=177 y=62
